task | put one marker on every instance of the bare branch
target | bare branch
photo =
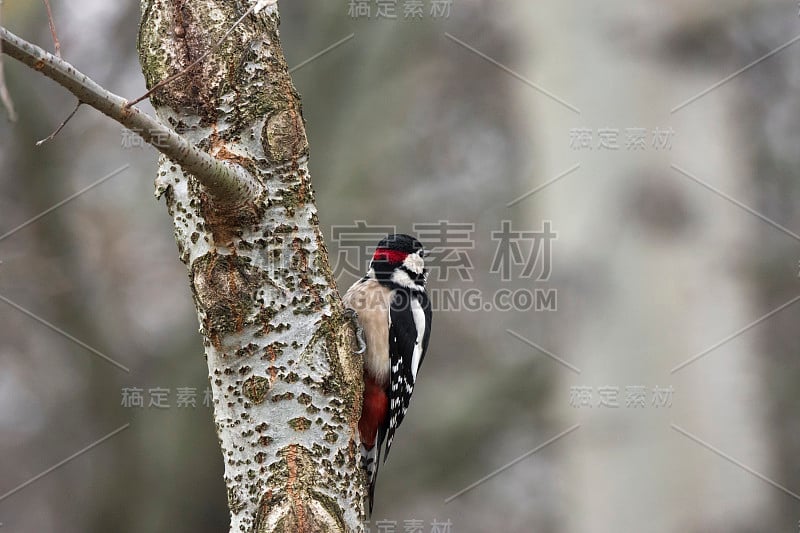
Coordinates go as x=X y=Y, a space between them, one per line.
x=227 y=182
x=60 y=126
x=56 y=44
x=5 y=98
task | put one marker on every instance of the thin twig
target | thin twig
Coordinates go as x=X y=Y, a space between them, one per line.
x=5 y=97
x=60 y=126
x=52 y=23
x=197 y=61
x=225 y=181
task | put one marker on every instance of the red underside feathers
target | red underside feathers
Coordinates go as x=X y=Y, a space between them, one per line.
x=373 y=412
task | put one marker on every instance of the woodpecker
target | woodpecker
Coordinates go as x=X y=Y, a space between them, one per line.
x=393 y=313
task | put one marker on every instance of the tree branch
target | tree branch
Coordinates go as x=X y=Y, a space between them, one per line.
x=60 y=126
x=52 y=23
x=227 y=182
x=5 y=98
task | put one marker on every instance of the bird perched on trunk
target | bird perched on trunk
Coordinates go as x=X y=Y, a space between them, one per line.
x=394 y=317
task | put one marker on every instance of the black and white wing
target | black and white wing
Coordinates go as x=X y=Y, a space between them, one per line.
x=409 y=332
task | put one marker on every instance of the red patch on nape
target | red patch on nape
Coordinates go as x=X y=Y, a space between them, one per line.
x=374 y=411
x=390 y=256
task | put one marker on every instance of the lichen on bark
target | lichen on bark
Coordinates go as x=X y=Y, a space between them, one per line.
x=285 y=381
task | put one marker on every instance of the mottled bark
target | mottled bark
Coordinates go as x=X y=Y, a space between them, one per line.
x=286 y=383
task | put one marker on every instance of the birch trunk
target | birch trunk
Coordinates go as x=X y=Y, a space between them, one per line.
x=666 y=257
x=286 y=384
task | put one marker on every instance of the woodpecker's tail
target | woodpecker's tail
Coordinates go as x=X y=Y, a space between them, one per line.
x=370 y=461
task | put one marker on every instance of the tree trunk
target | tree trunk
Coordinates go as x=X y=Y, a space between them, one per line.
x=664 y=297
x=286 y=384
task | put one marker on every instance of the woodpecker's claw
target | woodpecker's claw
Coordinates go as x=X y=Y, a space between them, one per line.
x=362 y=343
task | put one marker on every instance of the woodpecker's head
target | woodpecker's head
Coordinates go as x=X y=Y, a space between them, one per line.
x=398 y=260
